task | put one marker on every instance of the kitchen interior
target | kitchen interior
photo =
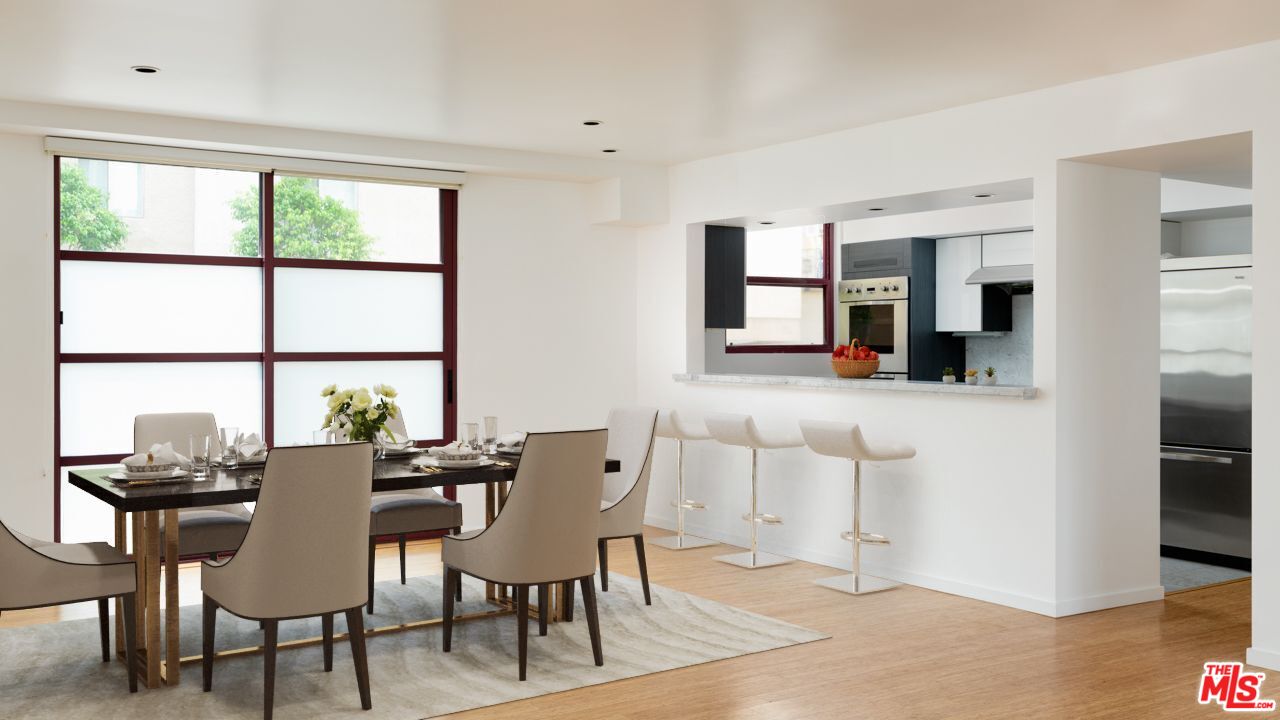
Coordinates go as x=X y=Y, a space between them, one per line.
x=944 y=281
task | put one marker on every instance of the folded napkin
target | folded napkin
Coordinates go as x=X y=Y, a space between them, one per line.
x=160 y=454
x=450 y=449
x=250 y=446
x=512 y=440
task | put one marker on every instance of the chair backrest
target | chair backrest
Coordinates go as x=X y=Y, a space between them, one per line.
x=631 y=433
x=732 y=429
x=674 y=425
x=20 y=568
x=176 y=428
x=29 y=578
x=306 y=551
x=548 y=527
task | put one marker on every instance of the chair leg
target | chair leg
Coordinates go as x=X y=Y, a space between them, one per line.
x=269 y=669
x=602 y=546
x=355 y=630
x=402 y=577
x=209 y=623
x=130 y=649
x=593 y=620
x=568 y=600
x=373 y=545
x=326 y=624
x=104 y=628
x=522 y=626
x=644 y=568
x=450 y=578
x=544 y=608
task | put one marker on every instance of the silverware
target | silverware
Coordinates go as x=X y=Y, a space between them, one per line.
x=503 y=463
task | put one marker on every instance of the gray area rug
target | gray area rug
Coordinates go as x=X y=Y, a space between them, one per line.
x=54 y=670
x=1176 y=574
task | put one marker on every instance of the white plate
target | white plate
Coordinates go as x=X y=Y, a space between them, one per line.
x=256 y=460
x=511 y=452
x=176 y=474
x=464 y=464
x=401 y=453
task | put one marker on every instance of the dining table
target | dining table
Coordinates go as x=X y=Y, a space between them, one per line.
x=139 y=507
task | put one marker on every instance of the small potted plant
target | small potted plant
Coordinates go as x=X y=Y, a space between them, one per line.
x=971 y=377
x=990 y=378
x=948 y=375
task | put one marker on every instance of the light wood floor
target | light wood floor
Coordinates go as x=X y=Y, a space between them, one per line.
x=906 y=653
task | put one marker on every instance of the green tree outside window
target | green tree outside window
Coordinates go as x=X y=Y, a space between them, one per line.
x=86 y=221
x=307 y=224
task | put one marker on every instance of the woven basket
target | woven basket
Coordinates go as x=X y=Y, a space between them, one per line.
x=855 y=368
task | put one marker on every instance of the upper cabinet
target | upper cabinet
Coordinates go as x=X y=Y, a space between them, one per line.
x=1001 y=249
x=725 y=277
x=962 y=307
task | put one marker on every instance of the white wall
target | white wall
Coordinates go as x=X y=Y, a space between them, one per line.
x=977 y=511
x=26 y=326
x=1222 y=236
x=546 y=310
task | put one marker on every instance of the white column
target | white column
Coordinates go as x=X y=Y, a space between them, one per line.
x=1107 y=254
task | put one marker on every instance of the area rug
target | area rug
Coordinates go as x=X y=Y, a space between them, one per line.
x=54 y=670
x=1177 y=575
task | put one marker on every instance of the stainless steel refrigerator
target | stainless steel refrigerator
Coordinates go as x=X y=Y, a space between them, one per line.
x=1206 y=321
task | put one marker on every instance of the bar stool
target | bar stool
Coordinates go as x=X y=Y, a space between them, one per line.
x=844 y=440
x=671 y=425
x=741 y=430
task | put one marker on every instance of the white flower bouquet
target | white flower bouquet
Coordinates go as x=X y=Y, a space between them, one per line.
x=354 y=412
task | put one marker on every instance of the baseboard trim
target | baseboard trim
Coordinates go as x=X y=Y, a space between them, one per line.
x=1268 y=659
x=1039 y=606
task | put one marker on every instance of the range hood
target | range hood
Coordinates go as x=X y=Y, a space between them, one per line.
x=1001 y=275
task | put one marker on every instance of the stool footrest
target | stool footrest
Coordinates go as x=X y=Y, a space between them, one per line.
x=689 y=505
x=866 y=539
x=763 y=518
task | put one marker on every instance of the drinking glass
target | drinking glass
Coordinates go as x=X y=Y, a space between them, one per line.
x=470 y=435
x=230 y=437
x=321 y=437
x=490 y=434
x=199 y=446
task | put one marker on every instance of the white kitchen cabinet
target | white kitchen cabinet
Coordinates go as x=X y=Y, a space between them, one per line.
x=1012 y=248
x=959 y=306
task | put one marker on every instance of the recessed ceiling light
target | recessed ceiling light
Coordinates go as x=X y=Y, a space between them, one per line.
x=591 y=122
x=876 y=209
x=610 y=150
x=145 y=69
x=985 y=195
x=766 y=222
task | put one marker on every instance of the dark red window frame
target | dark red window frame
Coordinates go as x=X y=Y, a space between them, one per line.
x=447 y=267
x=826 y=282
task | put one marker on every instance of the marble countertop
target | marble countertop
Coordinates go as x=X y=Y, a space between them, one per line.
x=1021 y=392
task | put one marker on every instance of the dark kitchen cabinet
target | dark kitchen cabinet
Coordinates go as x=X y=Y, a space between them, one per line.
x=725 y=277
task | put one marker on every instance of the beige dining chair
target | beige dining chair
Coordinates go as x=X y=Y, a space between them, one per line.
x=631 y=434
x=401 y=512
x=304 y=555
x=205 y=531
x=545 y=533
x=39 y=574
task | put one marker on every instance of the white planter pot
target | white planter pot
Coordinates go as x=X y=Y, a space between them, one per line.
x=989 y=380
x=949 y=379
x=970 y=380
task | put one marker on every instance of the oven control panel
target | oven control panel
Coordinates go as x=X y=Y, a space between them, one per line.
x=888 y=288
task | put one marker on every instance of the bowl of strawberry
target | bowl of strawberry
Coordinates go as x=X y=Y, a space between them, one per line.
x=855 y=360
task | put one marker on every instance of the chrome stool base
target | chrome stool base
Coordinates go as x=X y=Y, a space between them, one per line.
x=752 y=561
x=681 y=542
x=856 y=584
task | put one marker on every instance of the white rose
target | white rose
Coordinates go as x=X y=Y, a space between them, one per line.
x=377 y=389
x=388 y=392
x=361 y=400
x=329 y=390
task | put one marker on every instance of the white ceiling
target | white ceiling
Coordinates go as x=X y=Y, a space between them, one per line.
x=671 y=80
x=1221 y=160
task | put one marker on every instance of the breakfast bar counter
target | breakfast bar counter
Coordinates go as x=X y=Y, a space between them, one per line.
x=1019 y=392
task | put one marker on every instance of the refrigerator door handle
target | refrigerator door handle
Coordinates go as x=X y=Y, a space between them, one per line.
x=1195 y=457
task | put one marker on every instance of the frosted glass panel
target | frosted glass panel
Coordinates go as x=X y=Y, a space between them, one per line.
x=353 y=220
x=84 y=517
x=99 y=401
x=112 y=206
x=786 y=252
x=358 y=311
x=142 y=307
x=299 y=409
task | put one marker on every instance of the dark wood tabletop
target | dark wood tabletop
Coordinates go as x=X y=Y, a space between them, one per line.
x=241 y=485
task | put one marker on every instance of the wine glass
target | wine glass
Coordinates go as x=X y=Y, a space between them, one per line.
x=490 y=434
x=199 y=446
x=471 y=435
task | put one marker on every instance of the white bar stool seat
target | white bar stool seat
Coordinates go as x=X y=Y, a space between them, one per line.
x=844 y=440
x=682 y=430
x=741 y=430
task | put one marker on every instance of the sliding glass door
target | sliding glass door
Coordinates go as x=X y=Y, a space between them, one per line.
x=243 y=294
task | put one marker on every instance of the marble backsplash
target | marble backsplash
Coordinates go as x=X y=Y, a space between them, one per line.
x=1009 y=354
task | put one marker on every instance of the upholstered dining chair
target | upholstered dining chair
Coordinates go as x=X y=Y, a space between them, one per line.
x=631 y=434
x=207 y=531
x=400 y=512
x=304 y=555
x=40 y=574
x=545 y=533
